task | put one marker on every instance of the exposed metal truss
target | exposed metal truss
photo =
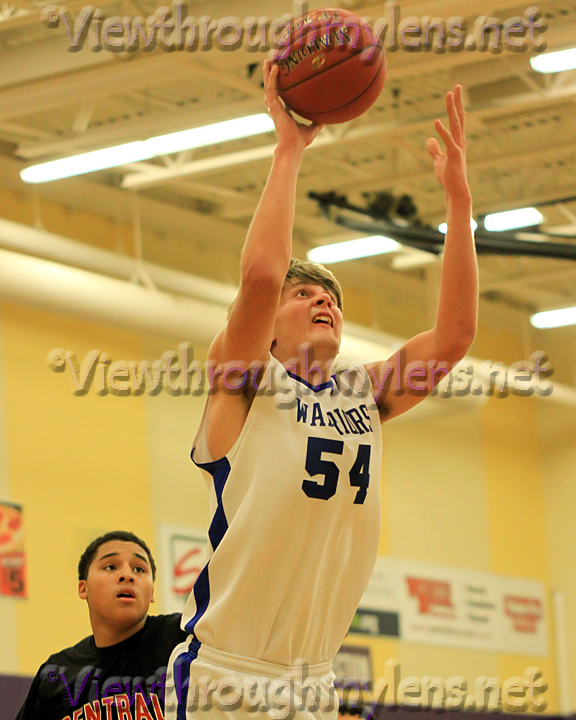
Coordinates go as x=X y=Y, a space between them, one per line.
x=522 y=135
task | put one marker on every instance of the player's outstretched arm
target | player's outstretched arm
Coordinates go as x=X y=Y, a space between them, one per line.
x=449 y=340
x=248 y=335
x=268 y=247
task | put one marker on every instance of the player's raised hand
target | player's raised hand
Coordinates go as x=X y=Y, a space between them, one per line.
x=290 y=132
x=450 y=166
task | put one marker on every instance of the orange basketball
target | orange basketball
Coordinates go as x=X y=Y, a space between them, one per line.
x=332 y=68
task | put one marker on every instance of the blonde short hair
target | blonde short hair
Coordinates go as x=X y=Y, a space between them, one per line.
x=310 y=272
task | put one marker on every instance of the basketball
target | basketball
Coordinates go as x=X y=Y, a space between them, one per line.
x=331 y=67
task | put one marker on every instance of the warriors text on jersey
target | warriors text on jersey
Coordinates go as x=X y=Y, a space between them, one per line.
x=295 y=521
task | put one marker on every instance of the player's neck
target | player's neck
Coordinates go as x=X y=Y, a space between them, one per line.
x=313 y=364
x=106 y=635
x=314 y=373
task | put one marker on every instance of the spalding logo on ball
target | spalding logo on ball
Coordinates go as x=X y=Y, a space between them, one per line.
x=332 y=69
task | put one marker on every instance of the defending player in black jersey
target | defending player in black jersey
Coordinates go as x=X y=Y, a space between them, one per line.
x=118 y=672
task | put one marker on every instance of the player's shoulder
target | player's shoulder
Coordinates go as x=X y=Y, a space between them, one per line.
x=74 y=653
x=157 y=639
x=354 y=378
x=161 y=622
x=165 y=627
x=70 y=658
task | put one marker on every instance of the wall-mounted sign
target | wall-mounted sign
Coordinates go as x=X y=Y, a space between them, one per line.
x=183 y=555
x=12 y=558
x=418 y=602
x=353 y=668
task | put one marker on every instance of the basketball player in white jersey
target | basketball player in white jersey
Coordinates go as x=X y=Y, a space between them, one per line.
x=292 y=455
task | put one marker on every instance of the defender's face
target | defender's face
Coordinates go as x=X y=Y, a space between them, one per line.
x=307 y=314
x=119 y=587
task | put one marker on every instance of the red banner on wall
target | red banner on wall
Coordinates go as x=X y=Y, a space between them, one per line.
x=526 y=612
x=433 y=595
x=12 y=558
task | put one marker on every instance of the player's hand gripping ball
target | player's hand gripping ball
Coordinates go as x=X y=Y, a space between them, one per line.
x=332 y=68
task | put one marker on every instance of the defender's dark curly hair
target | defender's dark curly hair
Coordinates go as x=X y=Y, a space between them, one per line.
x=90 y=553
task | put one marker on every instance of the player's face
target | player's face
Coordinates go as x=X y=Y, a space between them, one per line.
x=307 y=314
x=119 y=587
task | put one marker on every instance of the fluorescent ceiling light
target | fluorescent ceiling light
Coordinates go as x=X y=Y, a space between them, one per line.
x=554 y=318
x=553 y=62
x=146 y=149
x=353 y=249
x=513 y=219
x=443 y=227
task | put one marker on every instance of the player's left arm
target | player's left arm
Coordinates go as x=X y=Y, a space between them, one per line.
x=456 y=322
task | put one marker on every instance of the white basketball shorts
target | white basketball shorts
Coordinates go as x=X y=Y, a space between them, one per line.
x=215 y=685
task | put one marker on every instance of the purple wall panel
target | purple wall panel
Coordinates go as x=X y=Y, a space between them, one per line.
x=13 y=690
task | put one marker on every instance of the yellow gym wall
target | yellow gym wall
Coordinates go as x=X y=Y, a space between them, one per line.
x=79 y=465
x=558 y=464
x=9 y=645
x=469 y=490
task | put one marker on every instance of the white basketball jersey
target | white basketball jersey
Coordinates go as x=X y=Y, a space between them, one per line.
x=295 y=521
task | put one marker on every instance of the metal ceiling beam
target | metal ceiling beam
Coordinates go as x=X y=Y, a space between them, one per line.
x=159 y=175
x=473 y=165
x=218 y=162
x=63 y=90
x=511 y=160
x=441 y=8
x=530 y=280
x=113 y=77
x=161 y=217
x=353 y=217
x=137 y=129
x=546 y=194
x=158 y=123
x=403 y=64
x=388 y=131
x=18 y=130
x=532 y=297
x=35 y=63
